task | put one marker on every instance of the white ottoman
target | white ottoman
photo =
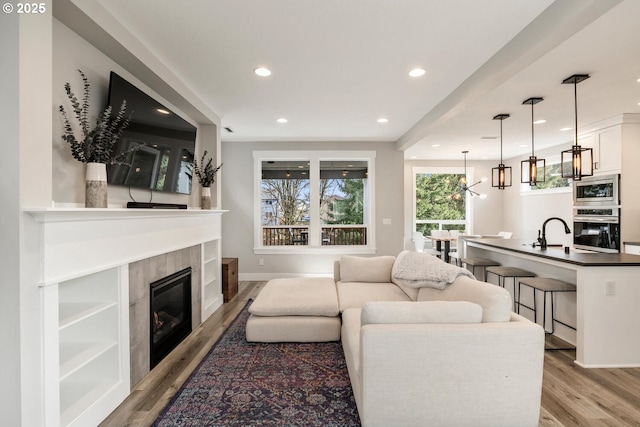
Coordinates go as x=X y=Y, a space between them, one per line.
x=295 y=310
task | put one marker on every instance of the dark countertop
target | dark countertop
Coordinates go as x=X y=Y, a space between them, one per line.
x=594 y=259
x=631 y=243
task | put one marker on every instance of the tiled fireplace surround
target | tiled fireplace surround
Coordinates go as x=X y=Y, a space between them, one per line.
x=105 y=260
x=141 y=274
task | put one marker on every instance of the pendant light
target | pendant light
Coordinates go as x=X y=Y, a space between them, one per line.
x=576 y=161
x=464 y=187
x=529 y=168
x=501 y=176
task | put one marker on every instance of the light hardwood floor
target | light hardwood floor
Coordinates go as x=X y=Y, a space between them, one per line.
x=571 y=395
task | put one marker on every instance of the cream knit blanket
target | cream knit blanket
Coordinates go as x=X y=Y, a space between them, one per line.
x=417 y=270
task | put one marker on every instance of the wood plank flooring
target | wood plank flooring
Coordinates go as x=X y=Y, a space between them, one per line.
x=571 y=395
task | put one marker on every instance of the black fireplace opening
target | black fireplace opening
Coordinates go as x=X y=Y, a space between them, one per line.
x=170 y=313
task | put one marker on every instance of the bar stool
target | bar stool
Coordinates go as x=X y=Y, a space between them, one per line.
x=508 y=272
x=546 y=285
x=479 y=262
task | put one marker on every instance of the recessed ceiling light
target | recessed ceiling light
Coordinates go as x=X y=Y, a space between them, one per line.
x=638 y=80
x=382 y=120
x=162 y=111
x=435 y=145
x=262 y=71
x=282 y=120
x=414 y=157
x=539 y=122
x=565 y=129
x=417 y=72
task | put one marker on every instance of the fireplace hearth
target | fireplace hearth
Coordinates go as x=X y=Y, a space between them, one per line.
x=170 y=314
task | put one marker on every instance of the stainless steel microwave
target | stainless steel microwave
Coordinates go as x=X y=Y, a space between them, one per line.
x=597 y=191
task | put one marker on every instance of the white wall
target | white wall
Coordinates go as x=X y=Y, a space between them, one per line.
x=71 y=52
x=10 y=223
x=237 y=197
x=525 y=211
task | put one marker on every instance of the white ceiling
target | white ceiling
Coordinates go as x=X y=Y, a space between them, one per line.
x=339 y=65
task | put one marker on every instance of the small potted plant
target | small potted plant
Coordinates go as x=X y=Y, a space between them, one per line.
x=94 y=146
x=206 y=175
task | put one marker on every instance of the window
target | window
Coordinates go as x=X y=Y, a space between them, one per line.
x=438 y=202
x=340 y=183
x=554 y=182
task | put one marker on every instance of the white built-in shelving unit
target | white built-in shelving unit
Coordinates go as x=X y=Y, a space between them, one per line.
x=83 y=289
x=211 y=278
x=93 y=355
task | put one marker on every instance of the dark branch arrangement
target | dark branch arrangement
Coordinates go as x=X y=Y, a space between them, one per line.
x=205 y=172
x=97 y=144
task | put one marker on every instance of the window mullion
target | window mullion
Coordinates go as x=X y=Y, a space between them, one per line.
x=314 y=204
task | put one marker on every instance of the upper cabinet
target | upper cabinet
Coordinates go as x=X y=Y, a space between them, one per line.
x=612 y=140
x=607 y=149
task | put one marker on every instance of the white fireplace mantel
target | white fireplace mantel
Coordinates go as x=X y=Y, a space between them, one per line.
x=83 y=257
x=78 y=241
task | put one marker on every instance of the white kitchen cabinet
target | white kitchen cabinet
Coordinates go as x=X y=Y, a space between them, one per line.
x=607 y=149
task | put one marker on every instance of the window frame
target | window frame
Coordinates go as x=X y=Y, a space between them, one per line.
x=314 y=157
x=418 y=170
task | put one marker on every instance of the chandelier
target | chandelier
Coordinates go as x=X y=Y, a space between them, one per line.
x=464 y=188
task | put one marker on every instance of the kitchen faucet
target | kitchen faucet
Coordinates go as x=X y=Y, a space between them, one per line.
x=543 y=240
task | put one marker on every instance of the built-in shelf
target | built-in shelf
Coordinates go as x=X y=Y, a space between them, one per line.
x=74 y=356
x=90 y=343
x=73 y=312
x=83 y=273
x=211 y=285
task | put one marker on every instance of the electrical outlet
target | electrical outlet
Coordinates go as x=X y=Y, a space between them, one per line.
x=261 y=261
x=610 y=288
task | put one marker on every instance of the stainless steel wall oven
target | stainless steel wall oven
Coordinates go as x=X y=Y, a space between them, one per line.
x=597 y=228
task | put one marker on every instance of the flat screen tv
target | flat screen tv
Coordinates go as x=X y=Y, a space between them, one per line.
x=166 y=143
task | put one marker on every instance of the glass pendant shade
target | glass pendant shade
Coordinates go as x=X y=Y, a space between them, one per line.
x=577 y=161
x=501 y=175
x=532 y=171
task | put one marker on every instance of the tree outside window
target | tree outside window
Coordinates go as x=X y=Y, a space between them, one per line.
x=341 y=187
x=439 y=203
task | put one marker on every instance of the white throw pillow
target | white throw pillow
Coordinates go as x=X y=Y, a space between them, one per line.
x=420 y=312
x=362 y=269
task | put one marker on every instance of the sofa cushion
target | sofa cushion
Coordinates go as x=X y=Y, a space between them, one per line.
x=350 y=337
x=494 y=300
x=357 y=294
x=411 y=292
x=421 y=312
x=304 y=296
x=362 y=269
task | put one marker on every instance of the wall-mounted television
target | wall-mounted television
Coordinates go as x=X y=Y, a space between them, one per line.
x=166 y=142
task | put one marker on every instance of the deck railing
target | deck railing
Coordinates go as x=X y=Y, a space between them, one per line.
x=334 y=235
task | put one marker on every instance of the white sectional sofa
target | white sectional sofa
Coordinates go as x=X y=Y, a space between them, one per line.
x=420 y=356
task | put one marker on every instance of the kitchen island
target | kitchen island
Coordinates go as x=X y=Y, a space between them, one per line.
x=605 y=309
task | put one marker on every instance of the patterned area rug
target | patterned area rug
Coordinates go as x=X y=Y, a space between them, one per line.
x=254 y=384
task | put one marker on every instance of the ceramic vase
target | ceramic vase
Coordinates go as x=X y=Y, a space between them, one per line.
x=205 y=198
x=96 y=186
